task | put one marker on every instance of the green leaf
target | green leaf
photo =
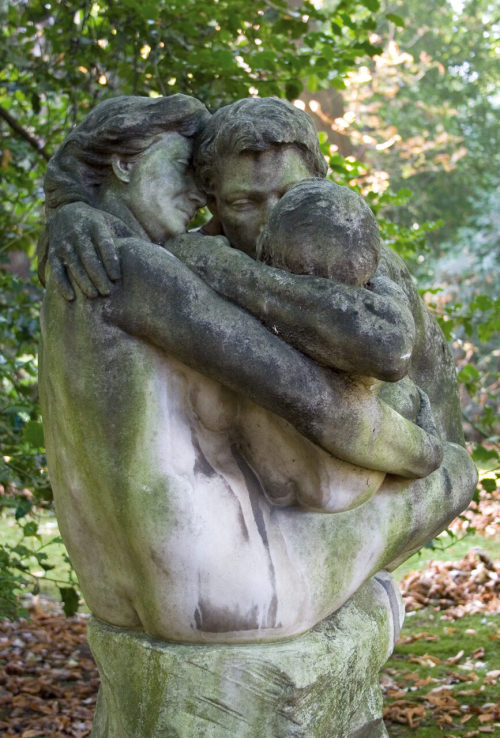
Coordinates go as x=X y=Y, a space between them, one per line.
x=467 y=373
x=404 y=192
x=338 y=83
x=33 y=433
x=293 y=88
x=23 y=508
x=223 y=58
x=371 y=4
x=396 y=19
x=480 y=453
x=69 y=597
x=31 y=529
x=312 y=83
x=489 y=484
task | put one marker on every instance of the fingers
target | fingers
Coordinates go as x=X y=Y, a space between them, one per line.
x=82 y=240
x=85 y=265
x=108 y=252
x=79 y=275
x=61 y=280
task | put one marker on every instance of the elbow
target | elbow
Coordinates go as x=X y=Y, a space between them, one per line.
x=388 y=348
x=395 y=368
x=395 y=353
x=393 y=364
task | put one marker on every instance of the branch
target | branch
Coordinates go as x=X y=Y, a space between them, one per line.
x=18 y=128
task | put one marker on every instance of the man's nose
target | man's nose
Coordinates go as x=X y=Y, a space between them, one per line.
x=265 y=211
x=271 y=201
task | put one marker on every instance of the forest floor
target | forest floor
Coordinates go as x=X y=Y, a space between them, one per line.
x=442 y=680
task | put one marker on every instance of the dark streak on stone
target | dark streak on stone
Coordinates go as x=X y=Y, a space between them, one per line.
x=219 y=705
x=448 y=488
x=256 y=494
x=203 y=466
x=212 y=619
x=255 y=491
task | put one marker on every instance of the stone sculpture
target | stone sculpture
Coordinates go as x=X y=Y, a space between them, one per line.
x=224 y=471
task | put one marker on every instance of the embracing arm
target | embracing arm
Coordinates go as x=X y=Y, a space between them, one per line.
x=352 y=329
x=348 y=328
x=164 y=303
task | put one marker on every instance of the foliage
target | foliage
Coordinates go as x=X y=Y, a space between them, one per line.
x=468 y=308
x=425 y=110
x=23 y=473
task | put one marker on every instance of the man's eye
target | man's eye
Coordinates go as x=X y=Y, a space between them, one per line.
x=241 y=204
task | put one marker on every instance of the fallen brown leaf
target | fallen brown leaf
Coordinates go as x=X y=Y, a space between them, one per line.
x=455 y=659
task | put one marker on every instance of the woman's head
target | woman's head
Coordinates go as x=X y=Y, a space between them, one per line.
x=322 y=229
x=121 y=128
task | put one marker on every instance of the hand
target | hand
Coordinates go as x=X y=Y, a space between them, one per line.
x=191 y=247
x=81 y=246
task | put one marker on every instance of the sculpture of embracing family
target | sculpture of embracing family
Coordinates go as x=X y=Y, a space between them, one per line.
x=236 y=444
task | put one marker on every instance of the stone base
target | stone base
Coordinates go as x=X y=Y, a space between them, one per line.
x=323 y=684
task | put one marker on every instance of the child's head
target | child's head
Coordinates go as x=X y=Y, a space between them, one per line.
x=323 y=229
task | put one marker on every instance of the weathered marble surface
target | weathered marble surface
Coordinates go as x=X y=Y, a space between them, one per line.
x=214 y=483
x=166 y=523
x=322 y=684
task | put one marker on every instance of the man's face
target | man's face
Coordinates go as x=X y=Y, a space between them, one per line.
x=248 y=186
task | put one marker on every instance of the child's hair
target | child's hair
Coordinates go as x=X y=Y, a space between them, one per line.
x=321 y=228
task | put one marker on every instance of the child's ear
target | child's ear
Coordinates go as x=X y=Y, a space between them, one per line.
x=121 y=169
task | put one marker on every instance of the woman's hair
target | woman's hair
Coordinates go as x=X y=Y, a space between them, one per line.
x=124 y=126
x=255 y=124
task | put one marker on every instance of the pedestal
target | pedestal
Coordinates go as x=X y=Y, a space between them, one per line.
x=323 y=684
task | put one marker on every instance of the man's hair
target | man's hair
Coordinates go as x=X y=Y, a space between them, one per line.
x=318 y=223
x=255 y=124
x=124 y=126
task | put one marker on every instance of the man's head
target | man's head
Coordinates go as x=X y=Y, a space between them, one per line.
x=247 y=156
x=321 y=228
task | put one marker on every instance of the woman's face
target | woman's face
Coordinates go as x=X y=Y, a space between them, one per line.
x=161 y=191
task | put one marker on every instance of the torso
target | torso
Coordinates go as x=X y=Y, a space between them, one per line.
x=154 y=492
